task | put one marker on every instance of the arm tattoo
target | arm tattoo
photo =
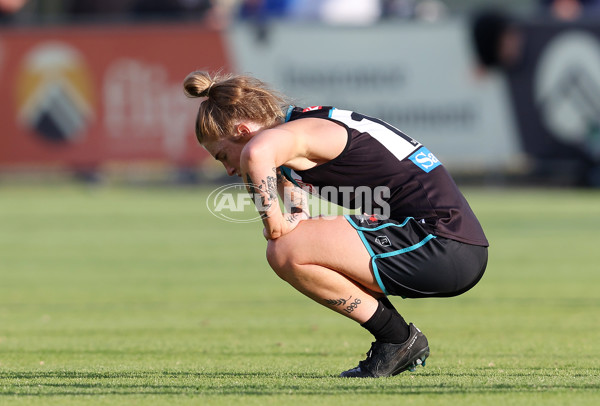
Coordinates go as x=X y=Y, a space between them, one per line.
x=270 y=186
x=280 y=177
x=263 y=194
x=294 y=198
x=260 y=201
x=298 y=201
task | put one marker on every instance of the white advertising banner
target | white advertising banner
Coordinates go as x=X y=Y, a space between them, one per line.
x=418 y=77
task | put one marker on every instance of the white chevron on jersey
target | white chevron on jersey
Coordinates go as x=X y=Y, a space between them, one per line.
x=396 y=144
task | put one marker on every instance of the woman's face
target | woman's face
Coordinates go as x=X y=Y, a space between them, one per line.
x=229 y=150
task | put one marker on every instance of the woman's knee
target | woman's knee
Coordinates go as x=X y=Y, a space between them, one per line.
x=280 y=257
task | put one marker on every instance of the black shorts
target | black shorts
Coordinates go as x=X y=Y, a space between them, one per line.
x=409 y=261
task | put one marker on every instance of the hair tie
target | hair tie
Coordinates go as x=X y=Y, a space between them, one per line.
x=209 y=87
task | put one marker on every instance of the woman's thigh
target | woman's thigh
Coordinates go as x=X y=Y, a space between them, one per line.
x=330 y=242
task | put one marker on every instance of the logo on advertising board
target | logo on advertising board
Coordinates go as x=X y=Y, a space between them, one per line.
x=568 y=86
x=54 y=92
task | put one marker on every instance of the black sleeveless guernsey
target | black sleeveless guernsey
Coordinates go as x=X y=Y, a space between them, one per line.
x=378 y=154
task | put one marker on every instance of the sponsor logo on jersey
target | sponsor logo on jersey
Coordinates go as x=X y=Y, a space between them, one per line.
x=370 y=219
x=311 y=108
x=425 y=160
x=303 y=185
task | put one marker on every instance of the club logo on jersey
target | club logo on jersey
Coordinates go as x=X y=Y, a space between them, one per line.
x=370 y=219
x=383 y=241
x=425 y=160
x=311 y=108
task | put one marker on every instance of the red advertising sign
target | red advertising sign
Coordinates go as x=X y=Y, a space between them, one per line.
x=81 y=96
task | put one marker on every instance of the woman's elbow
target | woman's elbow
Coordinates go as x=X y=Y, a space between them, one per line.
x=252 y=155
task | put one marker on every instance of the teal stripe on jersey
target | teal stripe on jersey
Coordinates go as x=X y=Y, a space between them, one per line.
x=288 y=115
x=287 y=172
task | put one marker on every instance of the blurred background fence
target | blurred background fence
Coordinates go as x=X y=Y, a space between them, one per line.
x=502 y=95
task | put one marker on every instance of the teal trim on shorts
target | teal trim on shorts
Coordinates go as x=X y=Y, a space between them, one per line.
x=359 y=230
x=376 y=273
x=374 y=256
x=407 y=249
x=405 y=222
x=366 y=244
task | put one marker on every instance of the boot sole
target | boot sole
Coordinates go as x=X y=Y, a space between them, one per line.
x=412 y=365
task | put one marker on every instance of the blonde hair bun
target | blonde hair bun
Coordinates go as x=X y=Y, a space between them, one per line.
x=231 y=99
x=198 y=84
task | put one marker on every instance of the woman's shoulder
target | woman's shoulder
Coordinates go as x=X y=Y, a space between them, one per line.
x=309 y=125
x=319 y=140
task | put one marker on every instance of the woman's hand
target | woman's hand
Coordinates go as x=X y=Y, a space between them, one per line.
x=291 y=220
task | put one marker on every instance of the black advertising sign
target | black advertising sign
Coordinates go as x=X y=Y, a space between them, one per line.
x=555 y=92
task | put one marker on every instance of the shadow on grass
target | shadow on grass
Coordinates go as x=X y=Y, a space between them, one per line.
x=62 y=383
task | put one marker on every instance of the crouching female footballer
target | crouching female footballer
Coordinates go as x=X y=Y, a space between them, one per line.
x=424 y=241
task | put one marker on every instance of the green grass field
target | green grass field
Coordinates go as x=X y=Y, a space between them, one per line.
x=140 y=297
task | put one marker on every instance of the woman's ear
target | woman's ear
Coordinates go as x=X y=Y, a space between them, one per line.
x=242 y=129
x=244 y=132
